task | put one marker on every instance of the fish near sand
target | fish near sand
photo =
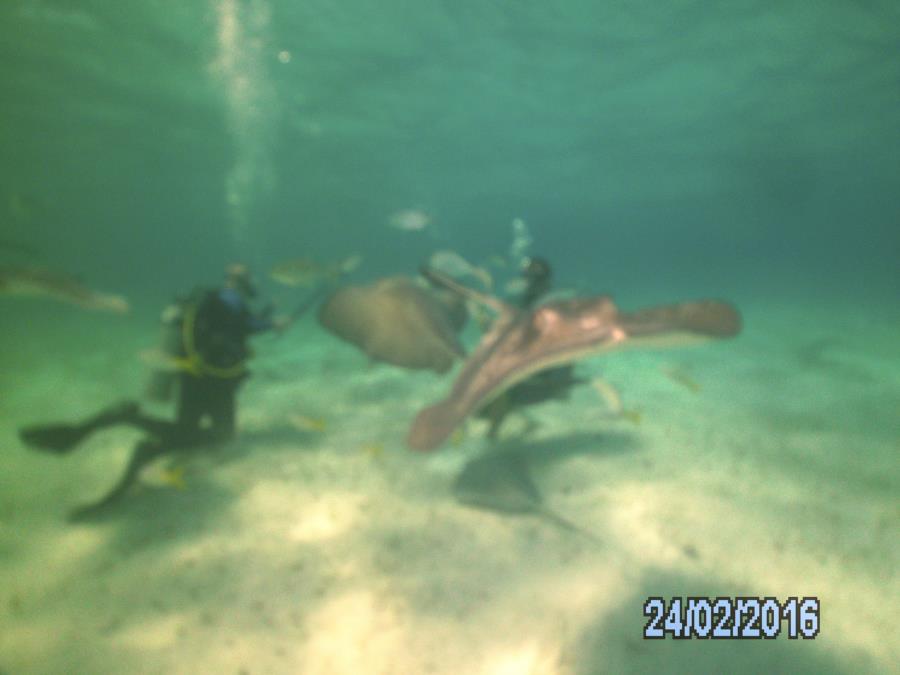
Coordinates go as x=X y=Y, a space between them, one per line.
x=397 y=321
x=167 y=476
x=680 y=376
x=39 y=281
x=307 y=272
x=522 y=343
x=409 y=220
x=613 y=400
x=318 y=425
x=373 y=451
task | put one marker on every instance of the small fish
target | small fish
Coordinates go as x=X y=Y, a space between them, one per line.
x=633 y=416
x=350 y=263
x=453 y=264
x=304 y=423
x=613 y=400
x=680 y=376
x=164 y=476
x=515 y=286
x=307 y=272
x=409 y=220
x=374 y=451
x=458 y=437
x=174 y=477
x=498 y=261
x=39 y=281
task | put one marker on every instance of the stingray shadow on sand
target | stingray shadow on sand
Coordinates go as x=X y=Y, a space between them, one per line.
x=501 y=479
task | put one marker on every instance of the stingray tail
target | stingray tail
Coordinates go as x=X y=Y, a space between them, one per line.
x=567 y=524
x=703 y=318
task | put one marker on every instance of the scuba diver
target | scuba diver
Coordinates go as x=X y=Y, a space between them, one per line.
x=538 y=277
x=205 y=345
x=546 y=385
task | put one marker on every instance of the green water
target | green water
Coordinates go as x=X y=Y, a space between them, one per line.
x=722 y=145
x=747 y=150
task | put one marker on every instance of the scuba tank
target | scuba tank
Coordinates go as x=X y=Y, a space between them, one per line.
x=169 y=354
x=195 y=338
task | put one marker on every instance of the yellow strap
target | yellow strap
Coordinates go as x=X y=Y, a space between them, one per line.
x=194 y=362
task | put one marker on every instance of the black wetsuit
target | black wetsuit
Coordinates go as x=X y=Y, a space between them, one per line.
x=546 y=385
x=206 y=405
x=222 y=325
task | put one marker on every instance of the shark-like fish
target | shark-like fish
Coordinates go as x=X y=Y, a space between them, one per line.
x=39 y=281
x=521 y=343
x=308 y=272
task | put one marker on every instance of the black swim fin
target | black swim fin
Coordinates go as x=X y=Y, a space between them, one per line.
x=56 y=438
x=62 y=438
x=144 y=453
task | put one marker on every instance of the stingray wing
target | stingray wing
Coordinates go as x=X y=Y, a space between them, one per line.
x=681 y=324
x=560 y=333
x=394 y=321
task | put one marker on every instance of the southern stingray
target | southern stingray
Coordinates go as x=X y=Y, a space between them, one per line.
x=398 y=321
x=521 y=343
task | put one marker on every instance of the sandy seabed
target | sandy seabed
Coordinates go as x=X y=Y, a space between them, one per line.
x=339 y=551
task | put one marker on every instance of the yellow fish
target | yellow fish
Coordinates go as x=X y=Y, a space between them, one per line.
x=158 y=476
x=458 y=436
x=173 y=477
x=633 y=416
x=613 y=400
x=609 y=394
x=374 y=451
x=304 y=423
x=680 y=376
x=306 y=271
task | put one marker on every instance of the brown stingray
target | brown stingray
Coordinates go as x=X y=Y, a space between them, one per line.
x=397 y=321
x=521 y=343
x=43 y=282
